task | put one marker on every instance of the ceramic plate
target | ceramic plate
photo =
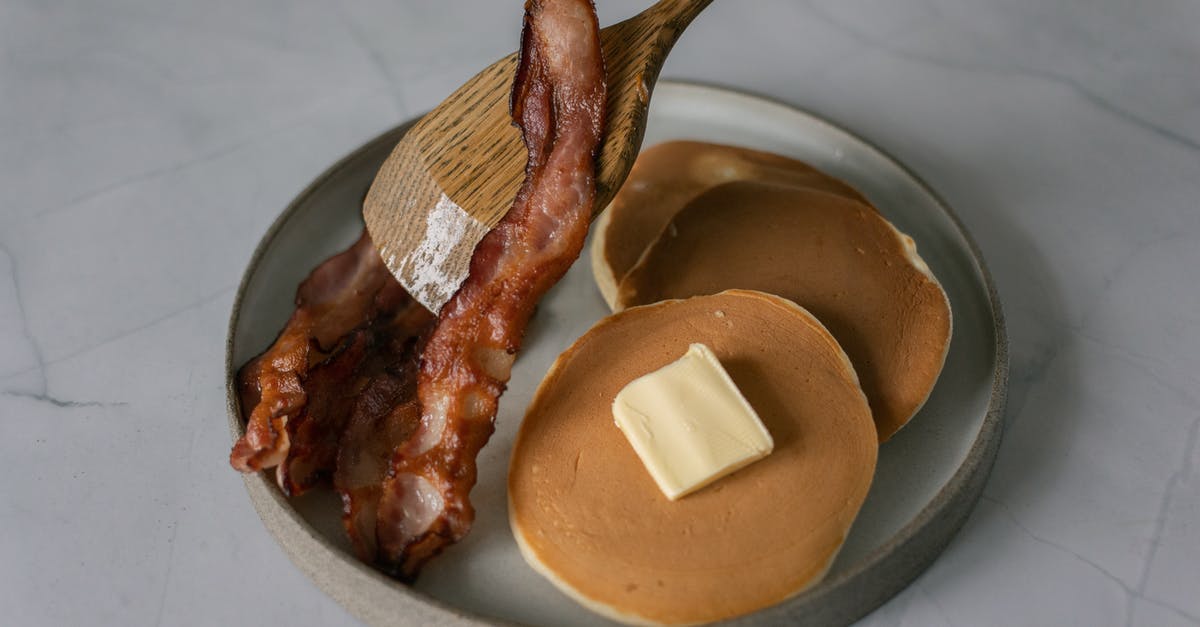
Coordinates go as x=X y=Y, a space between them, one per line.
x=928 y=477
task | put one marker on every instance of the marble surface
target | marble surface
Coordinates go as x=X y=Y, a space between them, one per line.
x=145 y=146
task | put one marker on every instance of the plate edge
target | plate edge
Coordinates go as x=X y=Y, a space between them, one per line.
x=888 y=569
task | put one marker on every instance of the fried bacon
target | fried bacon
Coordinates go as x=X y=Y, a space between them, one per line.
x=383 y=415
x=558 y=102
x=314 y=432
x=340 y=393
x=299 y=394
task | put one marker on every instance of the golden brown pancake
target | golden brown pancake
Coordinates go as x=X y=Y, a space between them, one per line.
x=835 y=257
x=666 y=177
x=588 y=516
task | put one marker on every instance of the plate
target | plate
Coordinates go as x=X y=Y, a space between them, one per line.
x=928 y=478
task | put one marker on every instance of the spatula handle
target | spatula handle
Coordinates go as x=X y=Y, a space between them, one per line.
x=677 y=14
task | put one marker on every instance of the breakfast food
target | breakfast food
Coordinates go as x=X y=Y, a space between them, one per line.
x=588 y=516
x=559 y=103
x=365 y=387
x=349 y=313
x=334 y=393
x=689 y=423
x=665 y=178
x=764 y=445
x=383 y=414
x=836 y=257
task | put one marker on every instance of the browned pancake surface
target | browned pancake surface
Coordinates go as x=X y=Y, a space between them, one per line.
x=835 y=257
x=666 y=177
x=588 y=515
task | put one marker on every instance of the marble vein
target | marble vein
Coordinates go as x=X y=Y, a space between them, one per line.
x=378 y=63
x=40 y=365
x=1150 y=365
x=155 y=173
x=1012 y=517
x=1026 y=376
x=1128 y=262
x=937 y=605
x=203 y=158
x=204 y=300
x=166 y=577
x=1068 y=82
x=58 y=402
x=1182 y=471
x=1130 y=592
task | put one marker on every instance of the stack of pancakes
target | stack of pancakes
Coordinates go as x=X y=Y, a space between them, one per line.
x=825 y=317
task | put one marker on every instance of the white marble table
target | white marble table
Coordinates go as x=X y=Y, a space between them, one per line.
x=145 y=146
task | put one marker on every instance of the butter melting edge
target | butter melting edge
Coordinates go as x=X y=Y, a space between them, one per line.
x=689 y=423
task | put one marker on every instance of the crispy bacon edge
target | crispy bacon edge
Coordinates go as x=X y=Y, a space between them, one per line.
x=558 y=101
x=298 y=394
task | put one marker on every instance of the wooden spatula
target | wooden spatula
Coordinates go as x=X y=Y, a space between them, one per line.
x=455 y=173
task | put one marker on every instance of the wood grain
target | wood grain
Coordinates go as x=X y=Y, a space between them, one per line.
x=456 y=172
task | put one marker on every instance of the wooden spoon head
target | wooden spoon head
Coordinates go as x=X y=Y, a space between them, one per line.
x=424 y=211
x=455 y=173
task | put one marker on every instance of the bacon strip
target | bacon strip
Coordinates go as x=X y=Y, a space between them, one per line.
x=558 y=102
x=384 y=414
x=299 y=393
x=312 y=435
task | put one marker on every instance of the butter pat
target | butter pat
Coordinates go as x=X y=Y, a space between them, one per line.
x=689 y=424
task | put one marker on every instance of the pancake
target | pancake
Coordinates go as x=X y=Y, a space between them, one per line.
x=667 y=176
x=587 y=515
x=835 y=257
